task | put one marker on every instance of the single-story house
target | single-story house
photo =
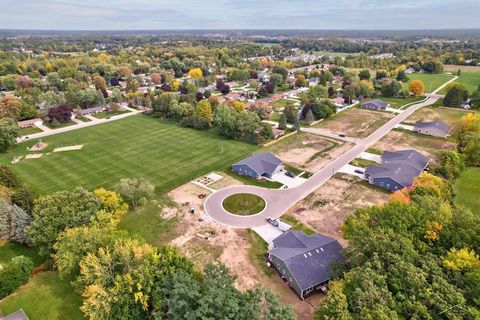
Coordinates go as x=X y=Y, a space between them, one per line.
x=398 y=169
x=232 y=96
x=91 y=110
x=338 y=101
x=432 y=128
x=375 y=105
x=409 y=70
x=30 y=123
x=304 y=261
x=412 y=157
x=258 y=165
x=17 y=315
x=277 y=133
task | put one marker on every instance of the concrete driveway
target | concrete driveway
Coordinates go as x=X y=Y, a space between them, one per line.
x=371 y=156
x=349 y=169
x=405 y=127
x=288 y=181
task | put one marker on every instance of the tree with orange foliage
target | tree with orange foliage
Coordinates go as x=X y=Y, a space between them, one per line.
x=10 y=107
x=155 y=77
x=401 y=196
x=417 y=87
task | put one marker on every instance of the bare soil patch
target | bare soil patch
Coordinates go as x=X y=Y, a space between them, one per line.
x=447 y=115
x=356 y=122
x=326 y=209
x=226 y=245
x=429 y=146
x=310 y=152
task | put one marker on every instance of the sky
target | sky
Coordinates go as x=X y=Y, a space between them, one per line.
x=238 y=14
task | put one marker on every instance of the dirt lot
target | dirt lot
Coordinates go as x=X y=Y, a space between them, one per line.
x=399 y=140
x=227 y=245
x=447 y=115
x=356 y=122
x=308 y=152
x=327 y=208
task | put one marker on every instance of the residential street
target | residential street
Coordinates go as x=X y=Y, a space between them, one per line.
x=278 y=201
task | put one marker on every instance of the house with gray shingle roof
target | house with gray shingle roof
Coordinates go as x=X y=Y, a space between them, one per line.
x=17 y=315
x=258 y=165
x=398 y=169
x=305 y=262
x=432 y=128
x=375 y=105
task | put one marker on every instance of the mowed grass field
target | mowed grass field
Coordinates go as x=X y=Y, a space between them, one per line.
x=467 y=189
x=45 y=297
x=431 y=81
x=139 y=146
x=471 y=80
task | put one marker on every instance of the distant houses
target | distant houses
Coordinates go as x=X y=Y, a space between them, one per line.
x=375 y=105
x=305 y=262
x=258 y=165
x=398 y=169
x=432 y=128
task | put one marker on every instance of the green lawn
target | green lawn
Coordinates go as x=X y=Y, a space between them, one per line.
x=105 y=114
x=45 y=297
x=12 y=249
x=431 y=81
x=60 y=124
x=467 y=189
x=251 y=181
x=244 y=204
x=296 y=225
x=281 y=103
x=139 y=146
x=256 y=252
x=398 y=103
x=83 y=118
x=29 y=130
x=147 y=223
x=358 y=162
x=471 y=80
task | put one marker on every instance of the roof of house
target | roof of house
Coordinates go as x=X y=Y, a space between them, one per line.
x=28 y=122
x=308 y=257
x=90 y=110
x=410 y=156
x=261 y=163
x=17 y=315
x=402 y=173
x=377 y=102
x=442 y=126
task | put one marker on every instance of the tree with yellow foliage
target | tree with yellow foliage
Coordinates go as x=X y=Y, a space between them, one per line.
x=239 y=106
x=463 y=259
x=417 y=87
x=204 y=110
x=175 y=85
x=195 y=73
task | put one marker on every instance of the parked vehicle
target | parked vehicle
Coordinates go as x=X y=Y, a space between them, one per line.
x=289 y=174
x=359 y=171
x=341 y=135
x=272 y=221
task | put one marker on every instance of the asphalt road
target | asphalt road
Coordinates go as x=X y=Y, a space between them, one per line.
x=280 y=200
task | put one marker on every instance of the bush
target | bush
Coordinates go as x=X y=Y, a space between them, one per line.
x=135 y=191
x=15 y=274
